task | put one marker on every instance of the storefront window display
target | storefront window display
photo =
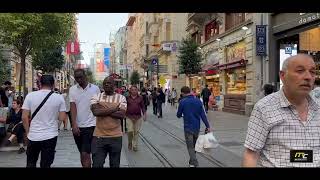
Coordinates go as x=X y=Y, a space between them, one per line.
x=196 y=83
x=213 y=82
x=236 y=81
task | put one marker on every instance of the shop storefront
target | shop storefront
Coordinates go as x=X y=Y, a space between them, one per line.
x=196 y=82
x=212 y=73
x=293 y=33
x=235 y=78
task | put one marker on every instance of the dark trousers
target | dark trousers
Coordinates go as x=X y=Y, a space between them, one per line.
x=47 y=149
x=205 y=103
x=191 y=139
x=101 y=147
x=159 y=108
x=3 y=134
x=154 y=104
x=18 y=131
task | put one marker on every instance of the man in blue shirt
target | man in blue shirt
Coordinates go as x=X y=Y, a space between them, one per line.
x=192 y=110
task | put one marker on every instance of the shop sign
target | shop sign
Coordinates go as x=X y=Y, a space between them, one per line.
x=154 y=61
x=236 y=52
x=288 y=50
x=261 y=36
x=172 y=47
x=309 y=18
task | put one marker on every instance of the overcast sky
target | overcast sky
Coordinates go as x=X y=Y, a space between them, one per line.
x=96 y=27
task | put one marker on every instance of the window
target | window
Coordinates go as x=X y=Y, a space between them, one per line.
x=234 y=19
x=196 y=37
x=168 y=31
x=211 y=30
x=147 y=28
x=155 y=39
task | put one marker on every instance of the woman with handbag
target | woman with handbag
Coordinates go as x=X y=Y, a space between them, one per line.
x=16 y=127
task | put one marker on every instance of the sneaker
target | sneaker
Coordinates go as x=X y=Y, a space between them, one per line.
x=192 y=166
x=21 y=150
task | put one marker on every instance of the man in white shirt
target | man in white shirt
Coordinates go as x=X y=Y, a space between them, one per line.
x=83 y=121
x=42 y=130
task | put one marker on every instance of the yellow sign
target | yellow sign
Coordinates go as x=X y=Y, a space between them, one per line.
x=162 y=80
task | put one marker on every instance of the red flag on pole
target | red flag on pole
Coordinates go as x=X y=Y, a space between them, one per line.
x=73 y=47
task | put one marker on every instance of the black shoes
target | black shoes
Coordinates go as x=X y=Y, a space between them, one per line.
x=21 y=150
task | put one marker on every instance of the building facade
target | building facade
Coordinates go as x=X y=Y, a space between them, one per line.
x=292 y=33
x=137 y=44
x=120 y=53
x=231 y=67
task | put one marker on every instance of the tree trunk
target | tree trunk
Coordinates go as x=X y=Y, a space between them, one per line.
x=22 y=79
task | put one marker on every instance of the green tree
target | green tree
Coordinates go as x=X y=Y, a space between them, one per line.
x=48 y=60
x=90 y=76
x=4 y=69
x=190 y=58
x=29 y=33
x=135 y=78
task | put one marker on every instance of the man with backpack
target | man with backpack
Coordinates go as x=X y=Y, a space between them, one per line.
x=45 y=108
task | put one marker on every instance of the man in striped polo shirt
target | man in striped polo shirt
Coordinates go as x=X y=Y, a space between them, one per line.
x=109 y=108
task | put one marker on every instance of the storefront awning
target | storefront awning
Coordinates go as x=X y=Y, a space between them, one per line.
x=210 y=69
x=234 y=64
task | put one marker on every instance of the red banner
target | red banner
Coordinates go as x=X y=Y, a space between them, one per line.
x=73 y=47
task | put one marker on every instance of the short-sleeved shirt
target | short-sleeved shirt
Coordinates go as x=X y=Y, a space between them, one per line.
x=108 y=126
x=275 y=129
x=81 y=97
x=44 y=125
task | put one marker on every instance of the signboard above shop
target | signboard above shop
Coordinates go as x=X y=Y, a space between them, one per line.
x=171 y=47
x=236 y=52
x=284 y=21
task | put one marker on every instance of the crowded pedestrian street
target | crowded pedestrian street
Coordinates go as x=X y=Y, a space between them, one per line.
x=126 y=90
x=161 y=144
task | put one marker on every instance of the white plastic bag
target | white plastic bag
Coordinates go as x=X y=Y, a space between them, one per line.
x=199 y=144
x=210 y=141
x=206 y=142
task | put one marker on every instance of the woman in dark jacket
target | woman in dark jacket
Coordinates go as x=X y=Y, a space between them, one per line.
x=16 y=126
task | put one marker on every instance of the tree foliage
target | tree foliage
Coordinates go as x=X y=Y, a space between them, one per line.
x=135 y=78
x=90 y=76
x=48 y=60
x=190 y=58
x=31 y=33
x=4 y=69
